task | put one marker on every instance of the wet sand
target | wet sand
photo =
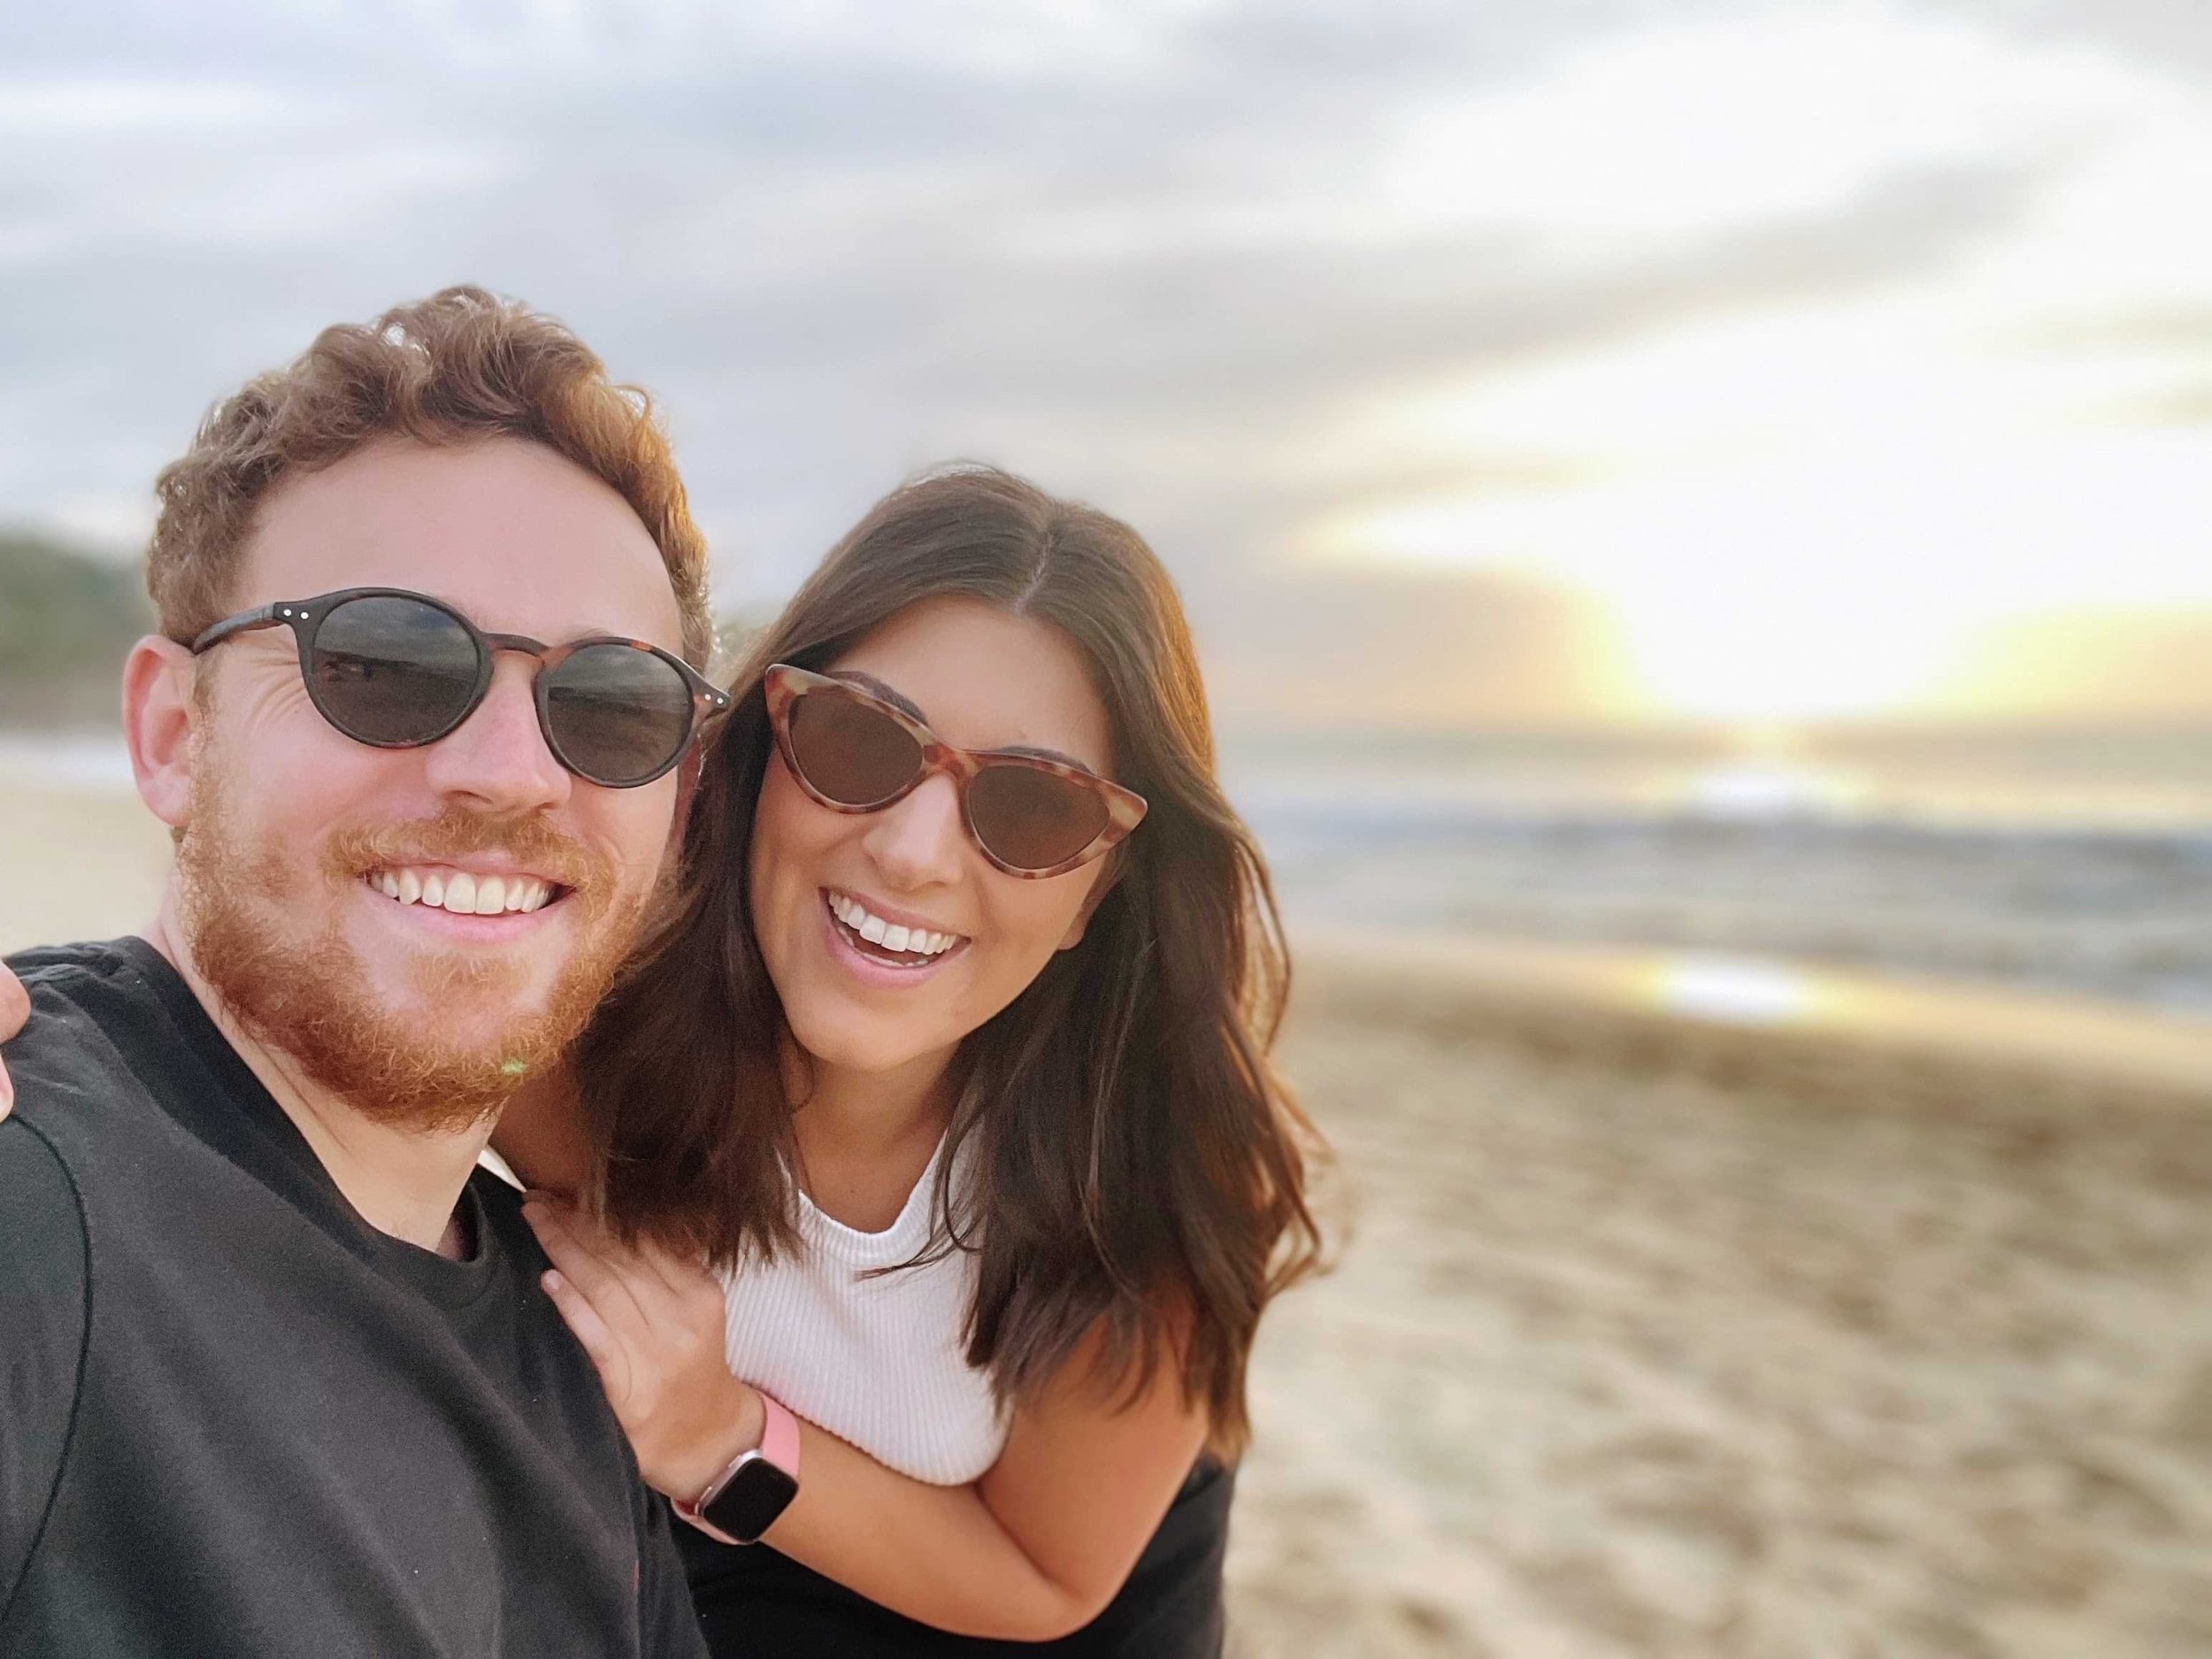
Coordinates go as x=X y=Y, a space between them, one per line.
x=1688 y=1311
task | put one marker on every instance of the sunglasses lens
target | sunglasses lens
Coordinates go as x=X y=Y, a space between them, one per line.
x=1031 y=819
x=619 y=715
x=850 y=754
x=392 y=671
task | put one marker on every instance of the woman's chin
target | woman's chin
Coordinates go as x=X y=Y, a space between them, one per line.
x=838 y=1043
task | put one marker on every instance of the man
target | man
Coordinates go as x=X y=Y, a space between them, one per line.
x=279 y=1376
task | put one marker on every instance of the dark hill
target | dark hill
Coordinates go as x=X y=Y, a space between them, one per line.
x=67 y=620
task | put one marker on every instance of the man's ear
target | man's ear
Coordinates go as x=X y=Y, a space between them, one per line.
x=160 y=719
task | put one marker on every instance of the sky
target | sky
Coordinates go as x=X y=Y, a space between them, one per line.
x=1589 y=361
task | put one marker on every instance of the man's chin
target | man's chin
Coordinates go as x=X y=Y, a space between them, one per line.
x=415 y=1024
x=433 y=1040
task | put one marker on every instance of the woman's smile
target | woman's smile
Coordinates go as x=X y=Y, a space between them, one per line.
x=869 y=939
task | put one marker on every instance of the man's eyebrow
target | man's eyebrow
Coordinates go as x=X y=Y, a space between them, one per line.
x=905 y=704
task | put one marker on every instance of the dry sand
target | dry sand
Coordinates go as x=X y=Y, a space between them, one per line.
x=76 y=866
x=1653 y=1348
x=1662 y=1339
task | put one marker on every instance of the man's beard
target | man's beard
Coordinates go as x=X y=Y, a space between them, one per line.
x=310 y=998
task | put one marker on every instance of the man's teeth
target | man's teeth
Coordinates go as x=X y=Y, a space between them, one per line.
x=914 y=940
x=461 y=893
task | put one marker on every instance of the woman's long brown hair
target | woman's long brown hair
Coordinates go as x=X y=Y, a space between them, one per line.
x=1134 y=1164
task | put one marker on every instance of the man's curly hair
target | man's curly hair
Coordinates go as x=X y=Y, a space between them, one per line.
x=459 y=366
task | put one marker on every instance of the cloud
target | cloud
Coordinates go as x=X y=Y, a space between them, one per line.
x=1165 y=256
x=1497 y=650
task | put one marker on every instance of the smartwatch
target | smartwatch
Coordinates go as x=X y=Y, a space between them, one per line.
x=744 y=1500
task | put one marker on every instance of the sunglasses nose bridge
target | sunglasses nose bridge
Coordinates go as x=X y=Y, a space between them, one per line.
x=521 y=644
x=500 y=753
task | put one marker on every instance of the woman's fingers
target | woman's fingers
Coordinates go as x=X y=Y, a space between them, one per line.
x=612 y=1292
x=607 y=1353
x=682 y=1278
x=15 y=1007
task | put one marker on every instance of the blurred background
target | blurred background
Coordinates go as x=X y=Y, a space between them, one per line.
x=1695 y=515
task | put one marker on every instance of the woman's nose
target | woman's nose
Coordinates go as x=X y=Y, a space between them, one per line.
x=918 y=841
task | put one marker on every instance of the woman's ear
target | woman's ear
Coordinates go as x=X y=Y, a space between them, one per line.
x=161 y=718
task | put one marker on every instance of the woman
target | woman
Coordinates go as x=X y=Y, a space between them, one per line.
x=1001 y=1208
x=939 y=1114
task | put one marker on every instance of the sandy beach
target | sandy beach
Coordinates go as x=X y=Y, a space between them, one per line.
x=1666 y=1329
x=1680 y=1347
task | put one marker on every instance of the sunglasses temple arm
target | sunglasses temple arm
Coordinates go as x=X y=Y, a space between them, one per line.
x=259 y=617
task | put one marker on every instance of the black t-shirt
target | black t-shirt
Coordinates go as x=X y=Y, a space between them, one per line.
x=236 y=1419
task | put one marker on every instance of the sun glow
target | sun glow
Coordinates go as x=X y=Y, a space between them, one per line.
x=1827 y=504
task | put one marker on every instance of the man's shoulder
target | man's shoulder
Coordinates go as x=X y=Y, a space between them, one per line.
x=45 y=1312
x=42 y=1216
x=44 y=1242
x=82 y=977
x=98 y=958
x=75 y=992
x=80 y=1065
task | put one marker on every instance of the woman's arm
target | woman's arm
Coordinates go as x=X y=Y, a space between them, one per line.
x=1034 y=1549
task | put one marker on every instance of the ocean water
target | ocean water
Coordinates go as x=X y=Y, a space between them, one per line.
x=2078 y=862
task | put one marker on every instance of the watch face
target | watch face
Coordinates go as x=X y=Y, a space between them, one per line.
x=750 y=1500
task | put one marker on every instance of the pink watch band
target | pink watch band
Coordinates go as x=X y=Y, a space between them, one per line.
x=780 y=1439
x=778 y=1445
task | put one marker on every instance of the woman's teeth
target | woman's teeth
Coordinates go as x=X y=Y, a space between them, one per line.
x=919 y=942
x=462 y=894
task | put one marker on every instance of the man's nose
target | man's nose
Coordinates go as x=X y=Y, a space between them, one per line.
x=919 y=842
x=497 y=758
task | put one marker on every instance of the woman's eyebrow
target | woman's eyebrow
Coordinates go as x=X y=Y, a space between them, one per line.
x=876 y=688
x=1042 y=753
x=905 y=704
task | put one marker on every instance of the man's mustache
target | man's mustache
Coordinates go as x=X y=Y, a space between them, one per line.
x=525 y=839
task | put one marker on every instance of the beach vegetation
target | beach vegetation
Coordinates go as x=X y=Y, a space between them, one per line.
x=67 y=618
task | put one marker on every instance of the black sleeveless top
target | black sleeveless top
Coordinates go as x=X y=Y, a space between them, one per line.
x=754 y=1603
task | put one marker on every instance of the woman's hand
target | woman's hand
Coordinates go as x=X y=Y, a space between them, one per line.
x=15 y=1008
x=653 y=1324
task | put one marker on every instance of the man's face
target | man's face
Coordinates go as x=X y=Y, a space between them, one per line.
x=417 y=1013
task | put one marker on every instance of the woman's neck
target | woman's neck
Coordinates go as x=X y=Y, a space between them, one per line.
x=865 y=1137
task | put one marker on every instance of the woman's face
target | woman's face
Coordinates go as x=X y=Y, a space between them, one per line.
x=980 y=679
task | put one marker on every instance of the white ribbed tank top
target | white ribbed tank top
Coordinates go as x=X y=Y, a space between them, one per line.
x=877 y=1362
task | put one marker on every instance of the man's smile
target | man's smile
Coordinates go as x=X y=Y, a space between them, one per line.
x=465 y=892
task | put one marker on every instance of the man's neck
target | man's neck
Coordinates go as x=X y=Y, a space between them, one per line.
x=402 y=1181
